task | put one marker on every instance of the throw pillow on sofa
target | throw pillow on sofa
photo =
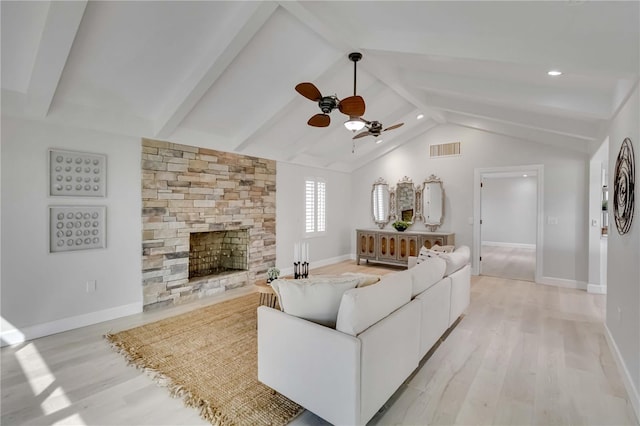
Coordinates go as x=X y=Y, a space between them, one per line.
x=444 y=249
x=315 y=300
x=364 y=279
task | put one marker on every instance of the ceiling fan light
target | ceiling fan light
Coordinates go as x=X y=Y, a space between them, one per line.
x=354 y=124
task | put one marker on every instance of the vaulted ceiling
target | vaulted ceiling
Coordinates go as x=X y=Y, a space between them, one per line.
x=222 y=74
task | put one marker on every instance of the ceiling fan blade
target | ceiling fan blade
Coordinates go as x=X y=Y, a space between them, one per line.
x=362 y=135
x=352 y=106
x=309 y=91
x=319 y=120
x=395 y=126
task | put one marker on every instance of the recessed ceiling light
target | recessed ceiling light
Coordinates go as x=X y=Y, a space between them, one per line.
x=554 y=73
x=420 y=116
x=379 y=141
x=524 y=175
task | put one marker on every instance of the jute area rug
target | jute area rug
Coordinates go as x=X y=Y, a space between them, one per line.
x=208 y=357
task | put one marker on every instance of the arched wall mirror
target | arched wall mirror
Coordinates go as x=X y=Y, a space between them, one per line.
x=433 y=202
x=380 y=203
x=405 y=200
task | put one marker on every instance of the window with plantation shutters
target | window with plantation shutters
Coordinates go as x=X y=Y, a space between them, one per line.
x=315 y=206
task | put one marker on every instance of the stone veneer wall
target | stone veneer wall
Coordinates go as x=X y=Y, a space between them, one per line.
x=188 y=189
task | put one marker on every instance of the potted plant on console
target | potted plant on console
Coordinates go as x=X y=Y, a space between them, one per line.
x=401 y=225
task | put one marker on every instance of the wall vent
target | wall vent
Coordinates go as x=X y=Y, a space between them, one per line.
x=444 y=149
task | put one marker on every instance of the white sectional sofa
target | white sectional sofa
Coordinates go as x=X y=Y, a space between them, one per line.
x=345 y=374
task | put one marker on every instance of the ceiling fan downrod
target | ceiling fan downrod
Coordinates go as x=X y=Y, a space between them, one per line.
x=355 y=57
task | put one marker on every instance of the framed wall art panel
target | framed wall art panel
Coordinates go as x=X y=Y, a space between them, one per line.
x=77 y=174
x=74 y=228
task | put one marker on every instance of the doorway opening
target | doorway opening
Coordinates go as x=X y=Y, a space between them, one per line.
x=508 y=215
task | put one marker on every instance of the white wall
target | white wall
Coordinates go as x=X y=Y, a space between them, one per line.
x=565 y=189
x=45 y=292
x=509 y=210
x=623 y=259
x=335 y=244
x=599 y=160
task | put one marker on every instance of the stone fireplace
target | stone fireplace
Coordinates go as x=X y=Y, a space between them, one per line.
x=217 y=252
x=188 y=192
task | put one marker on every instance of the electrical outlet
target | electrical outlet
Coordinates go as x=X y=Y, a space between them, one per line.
x=594 y=223
x=552 y=220
x=92 y=285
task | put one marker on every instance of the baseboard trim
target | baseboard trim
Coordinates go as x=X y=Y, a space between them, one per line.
x=597 y=289
x=512 y=245
x=14 y=336
x=320 y=263
x=561 y=282
x=632 y=391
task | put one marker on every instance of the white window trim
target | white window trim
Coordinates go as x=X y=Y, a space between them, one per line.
x=315 y=233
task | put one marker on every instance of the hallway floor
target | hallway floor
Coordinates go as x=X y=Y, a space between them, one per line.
x=509 y=262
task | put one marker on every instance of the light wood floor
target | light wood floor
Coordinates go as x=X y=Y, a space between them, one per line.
x=509 y=262
x=523 y=354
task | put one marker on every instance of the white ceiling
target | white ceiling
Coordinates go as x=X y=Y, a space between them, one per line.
x=222 y=74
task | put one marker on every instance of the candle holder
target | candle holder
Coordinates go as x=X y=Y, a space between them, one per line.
x=300 y=270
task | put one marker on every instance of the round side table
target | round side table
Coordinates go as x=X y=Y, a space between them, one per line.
x=267 y=295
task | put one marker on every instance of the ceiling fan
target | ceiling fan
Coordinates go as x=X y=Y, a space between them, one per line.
x=374 y=128
x=353 y=106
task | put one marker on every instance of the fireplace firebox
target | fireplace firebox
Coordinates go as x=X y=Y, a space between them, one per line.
x=217 y=252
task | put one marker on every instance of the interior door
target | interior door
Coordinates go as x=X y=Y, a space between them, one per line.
x=508 y=226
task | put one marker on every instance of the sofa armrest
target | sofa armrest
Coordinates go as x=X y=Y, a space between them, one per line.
x=412 y=261
x=315 y=366
x=460 y=292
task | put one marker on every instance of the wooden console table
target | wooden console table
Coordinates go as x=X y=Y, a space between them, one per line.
x=393 y=247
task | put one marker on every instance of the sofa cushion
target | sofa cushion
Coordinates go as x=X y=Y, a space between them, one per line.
x=362 y=307
x=427 y=273
x=316 y=299
x=455 y=261
x=364 y=279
